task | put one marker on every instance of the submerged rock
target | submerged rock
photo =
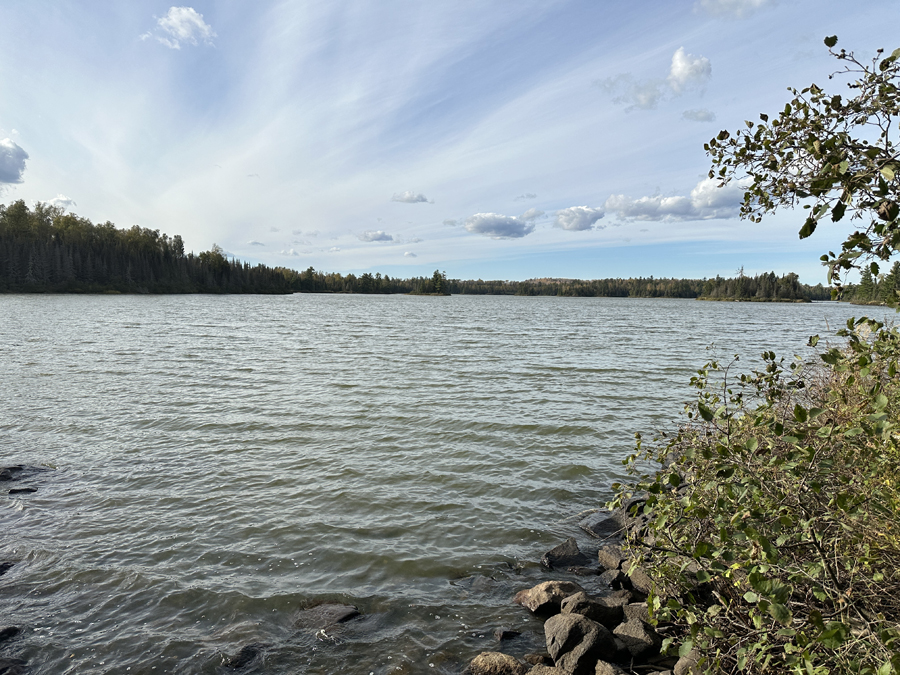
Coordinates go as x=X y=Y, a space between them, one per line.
x=325 y=615
x=13 y=667
x=604 y=524
x=495 y=663
x=566 y=554
x=249 y=654
x=20 y=491
x=501 y=634
x=9 y=633
x=5 y=567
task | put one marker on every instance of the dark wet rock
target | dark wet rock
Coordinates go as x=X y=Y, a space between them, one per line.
x=501 y=634
x=583 y=571
x=566 y=554
x=545 y=598
x=6 y=474
x=249 y=654
x=614 y=579
x=21 y=491
x=9 y=633
x=608 y=616
x=640 y=639
x=611 y=557
x=13 y=667
x=325 y=615
x=576 y=643
x=605 y=668
x=640 y=581
x=616 y=598
x=604 y=524
x=637 y=611
x=495 y=663
x=5 y=567
x=539 y=659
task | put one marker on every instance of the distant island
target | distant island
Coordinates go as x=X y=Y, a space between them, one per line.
x=45 y=250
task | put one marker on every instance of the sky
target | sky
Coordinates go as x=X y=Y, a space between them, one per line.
x=488 y=139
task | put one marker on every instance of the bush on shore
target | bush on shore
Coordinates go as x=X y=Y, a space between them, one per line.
x=774 y=536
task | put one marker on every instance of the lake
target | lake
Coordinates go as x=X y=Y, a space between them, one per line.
x=221 y=462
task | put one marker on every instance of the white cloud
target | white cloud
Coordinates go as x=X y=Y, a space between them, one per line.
x=62 y=201
x=451 y=223
x=12 y=161
x=579 y=218
x=289 y=252
x=414 y=240
x=375 y=235
x=526 y=197
x=497 y=226
x=687 y=70
x=736 y=9
x=409 y=197
x=410 y=254
x=707 y=201
x=182 y=25
x=334 y=249
x=699 y=115
x=531 y=214
x=253 y=242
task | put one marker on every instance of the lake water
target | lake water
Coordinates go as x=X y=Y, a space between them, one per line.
x=222 y=462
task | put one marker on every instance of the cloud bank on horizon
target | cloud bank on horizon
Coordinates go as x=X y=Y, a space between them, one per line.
x=541 y=136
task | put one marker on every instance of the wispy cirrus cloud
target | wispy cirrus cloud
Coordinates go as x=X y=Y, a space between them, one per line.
x=181 y=25
x=707 y=201
x=686 y=71
x=12 y=161
x=699 y=115
x=732 y=9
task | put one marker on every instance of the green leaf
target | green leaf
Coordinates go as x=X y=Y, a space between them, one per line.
x=808 y=227
x=831 y=41
x=751 y=444
x=800 y=413
x=887 y=172
x=750 y=596
x=705 y=412
x=880 y=402
x=814 y=339
x=838 y=211
x=685 y=648
x=703 y=576
x=780 y=613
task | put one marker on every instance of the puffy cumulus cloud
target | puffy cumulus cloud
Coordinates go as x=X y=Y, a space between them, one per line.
x=579 y=218
x=531 y=214
x=375 y=235
x=12 y=161
x=700 y=115
x=497 y=226
x=707 y=201
x=732 y=9
x=62 y=202
x=410 y=254
x=290 y=252
x=253 y=242
x=687 y=70
x=181 y=25
x=409 y=197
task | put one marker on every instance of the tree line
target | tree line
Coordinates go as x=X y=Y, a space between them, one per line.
x=46 y=250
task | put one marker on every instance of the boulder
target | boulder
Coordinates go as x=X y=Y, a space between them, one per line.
x=576 y=643
x=538 y=659
x=546 y=670
x=545 y=598
x=640 y=580
x=604 y=524
x=566 y=554
x=615 y=599
x=495 y=663
x=641 y=640
x=611 y=557
x=637 y=611
x=501 y=634
x=606 y=615
x=614 y=579
x=604 y=668
x=688 y=664
x=325 y=615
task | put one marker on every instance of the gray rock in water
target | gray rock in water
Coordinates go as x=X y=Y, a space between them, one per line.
x=248 y=655
x=539 y=659
x=21 y=491
x=501 y=634
x=576 y=643
x=608 y=616
x=9 y=633
x=604 y=524
x=545 y=599
x=325 y=615
x=641 y=640
x=611 y=557
x=5 y=567
x=615 y=579
x=566 y=554
x=495 y=663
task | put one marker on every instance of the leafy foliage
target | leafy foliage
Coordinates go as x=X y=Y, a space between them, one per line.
x=774 y=537
x=835 y=156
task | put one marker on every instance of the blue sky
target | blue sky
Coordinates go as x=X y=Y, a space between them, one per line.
x=497 y=139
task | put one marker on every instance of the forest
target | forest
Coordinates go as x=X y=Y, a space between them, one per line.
x=46 y=250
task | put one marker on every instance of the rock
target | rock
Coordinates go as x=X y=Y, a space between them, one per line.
x=501 y=634
x=616 y=598
x=611 y=557
x=545 y=598
x=640 y=581
x=248 y=654
x=637 y=611
x=608 y=616
x=640 y=639
x=566 y=554
x=13 y=667
x=582 y=571
x=615 y=579
x=688 y=664
x=546 y=670
x=539 y=659
x=604 y=524
x=5 y=567
x=576 y=643
x=19 y=491
x=604 y=668
x=9 y=633
x=325 y=615
x=495 y=663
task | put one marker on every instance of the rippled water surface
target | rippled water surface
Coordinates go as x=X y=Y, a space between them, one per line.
x=220 y=463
